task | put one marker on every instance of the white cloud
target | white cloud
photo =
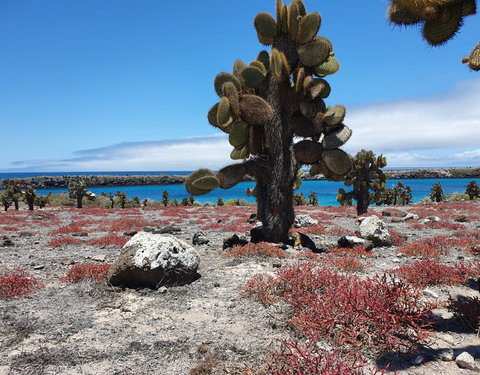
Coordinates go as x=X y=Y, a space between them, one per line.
x=435 y=131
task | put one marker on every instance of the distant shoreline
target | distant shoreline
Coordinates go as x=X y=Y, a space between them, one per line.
x=62 y=182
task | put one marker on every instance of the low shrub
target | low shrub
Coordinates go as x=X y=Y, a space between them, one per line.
x=431 y=272
x=293 y=358
x=346 y=263
x=466 y=309
x=357 y=251
x=432 y=247
x=83 y=271
x=398 y=239
x=257 y=250
x=17 y=282
x=110 y=239
x=379 y=313
x=63 y=240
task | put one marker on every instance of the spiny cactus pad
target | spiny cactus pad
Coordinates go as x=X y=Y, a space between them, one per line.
x=265 y=25
x=231 y=175
x=469 y=8
x=191 y=189
x=331 y=66
x=293 y=19
x=239 y=153
x=284 y=19
x=255 y=110
x=303 y=127
x=212 y=115
x=207 y=183
x=264 y=58
x=238 y=133
x=337 y=138
x=307 y=152
x=224 y=116
x=337 y=161
x=223 y=77
x=308 y=27
x=238 y=67
x=253 y=76
x=257 y=64
x=439 y=30
x=473 y=60
x=314 y=53
x=400 y=16
x=334 y=115
x=319 y=88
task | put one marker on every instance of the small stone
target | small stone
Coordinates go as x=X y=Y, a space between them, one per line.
x=430 y=293
x=462 y=219
x=232 y=241
x=386 y=213
x=465 y=360
x=168 y=229
x=397 y=220
x=252 y=218
x=435 y=219
x=39 y=267
x=200 y=238
x=162 y=290
x=80 y=234
x=130 y=233
x=216 y=285
x=410 y=217
x=425 y=221
x=276 y=264
x=26 y=234
x=99 y=258
x=446 y=355
x=375 y=230
x=351 y=241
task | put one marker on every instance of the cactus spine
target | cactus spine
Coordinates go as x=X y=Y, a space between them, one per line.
x=278 y=100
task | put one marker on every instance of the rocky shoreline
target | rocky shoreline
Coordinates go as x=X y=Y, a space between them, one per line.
x=62 y=182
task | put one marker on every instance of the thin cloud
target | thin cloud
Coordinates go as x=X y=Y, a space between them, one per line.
x=436 y=131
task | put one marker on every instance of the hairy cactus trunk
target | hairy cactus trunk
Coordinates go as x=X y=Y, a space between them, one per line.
x=363 y=200
x=15 y=202
x=79 y=200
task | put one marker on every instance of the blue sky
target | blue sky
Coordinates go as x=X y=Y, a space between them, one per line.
x=99 y=85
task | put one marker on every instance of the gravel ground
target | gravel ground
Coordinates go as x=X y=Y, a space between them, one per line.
x=201 y=328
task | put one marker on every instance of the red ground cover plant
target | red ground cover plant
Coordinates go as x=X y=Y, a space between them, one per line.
x=398 y=239
x=257 y=250
x=466 y=309
x=357 y=251
x=17 y=282
x=83 y=271
x=432 y=247
x=379 y=313
x=293 y=358
x=63 y=240
x=66 y=229
x=13 y=218
x=10 y=229
x=126 y=223
x=431 y=272
x=340 y=231
x=110 y=239
x=312 y=229
x=346 y=263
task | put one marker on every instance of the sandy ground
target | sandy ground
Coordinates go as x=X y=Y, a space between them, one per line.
x=92 y=328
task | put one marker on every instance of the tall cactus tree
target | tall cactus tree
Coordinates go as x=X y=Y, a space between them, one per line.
x=365 y=175
x=440 y=20
x=266 y=104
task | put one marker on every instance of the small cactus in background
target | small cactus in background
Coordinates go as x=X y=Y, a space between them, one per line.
x=122 y=197
x=136 y=201
x=185 y=202
x=436 y=193
x=312 y=199
x=264 y=105
x=165 y=197
x=220 y=202
x=6 y=200
x=29 y=196
x=365 y=175
x=112 y=199
x=14 y=191
x=440 y=21
x=473 y=190
x=78 y=190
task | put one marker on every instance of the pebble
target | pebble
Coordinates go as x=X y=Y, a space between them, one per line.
x=446 y=355
x=39 y=267
x=430 y=293
x=465 y=360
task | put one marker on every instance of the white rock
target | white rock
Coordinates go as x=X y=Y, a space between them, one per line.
x=375 y=230
x=465 y=360
x=302 y=221
x=435 y=219
x=410 y=217
x=430 y=293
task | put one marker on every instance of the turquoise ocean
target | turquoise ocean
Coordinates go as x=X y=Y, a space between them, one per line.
x=326 y=190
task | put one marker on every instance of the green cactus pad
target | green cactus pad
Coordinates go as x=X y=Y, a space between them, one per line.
x=439 y=30
x=473 y=60
x=206 y=183
x=293 y=19
x=265 y=40
x=278 y=9
x=238 y=133
x=231 y=175
x=223 y=77
x=257 y=64
x=316 y=169
x=301 y=7
x=255 y=110
x=224 y=116
x=212 y=115
x=279 y=64
x=308 y=108
x=264 y=58
x=337 y=138
x=335 y=115
x=319 y=88
x=315 y=52
x=230 y=91
x=265 y=25
x=307 y=152
x=308 y=27
x=238 y=67
x=284 y=19
x=298 y=181
x=300 y=79
x=331 y=66
x=402 y=17
x=337 y=161
x=200 y=173
x=253 y=76
x=239 y=153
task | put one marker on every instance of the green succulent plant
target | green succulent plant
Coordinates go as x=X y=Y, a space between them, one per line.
x=472 y=190
x=280 y=99
x=78 y=190
x=365 y=175
x=436 y=193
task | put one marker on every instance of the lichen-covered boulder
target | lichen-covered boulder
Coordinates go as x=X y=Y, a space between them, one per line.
x=152 y=260
x=375 y=230
x=303 y=221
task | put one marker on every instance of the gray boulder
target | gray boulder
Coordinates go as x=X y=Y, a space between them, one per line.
x=375 y=230
x=152 y=260
x=349 y=242
x=302 y=221
x=200 y=238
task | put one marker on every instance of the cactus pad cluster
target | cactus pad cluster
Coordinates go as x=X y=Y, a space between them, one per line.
x=266 y=104
x=365 y=175
x=440 y=20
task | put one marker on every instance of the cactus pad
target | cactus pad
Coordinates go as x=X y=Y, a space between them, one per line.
x=298 y=181
x=284 y=19
x=439 y=30
x=400 y=16
x=231 y=175
x=335 y=115
x=239 y=153
x=265 y=25
x=264 y=58
x=279 y=64
x=473 y=60
x=255 y=110
x=265 y=40
x=253 y=76
x=223 y=77
x=469 y=8
x=208 y=183
x=303 y=127
x=337 y=161
x=257 y=64
x=238 y=67
x=331 y=66
x=308 y=108
x=212 y=115
x=293 y=19
x=337 y=138
x=224 y=116
x=200 y=173
x=238 y=133
x=308 y=27
x=307 y=152
x=315 y=52
x=319 y=88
